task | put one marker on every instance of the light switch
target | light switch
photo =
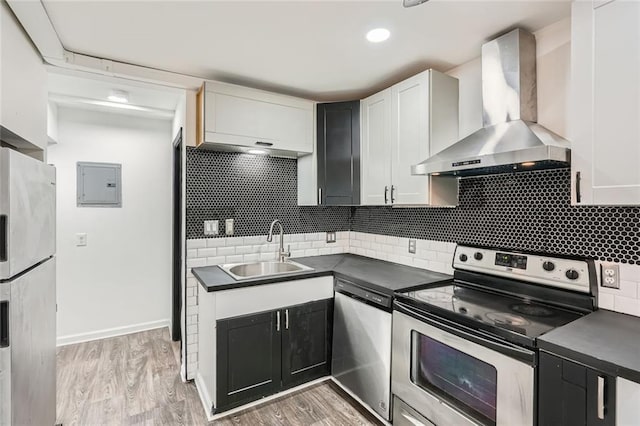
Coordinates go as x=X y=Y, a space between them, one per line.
x=331 y=237
x=81 y=240
x=228 y=227
x=412 y=246
x=211 y=227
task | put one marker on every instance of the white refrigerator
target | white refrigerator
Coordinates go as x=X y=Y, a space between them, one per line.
x=27 y=291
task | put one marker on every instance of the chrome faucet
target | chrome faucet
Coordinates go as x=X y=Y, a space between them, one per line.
x=282 y=255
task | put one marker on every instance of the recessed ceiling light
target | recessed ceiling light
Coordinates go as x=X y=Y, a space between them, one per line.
x=528 y=164
x=378 y=34
x=257 y=151
x=119 y=96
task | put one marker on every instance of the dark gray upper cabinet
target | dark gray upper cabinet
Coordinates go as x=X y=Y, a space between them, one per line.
x=338 y=147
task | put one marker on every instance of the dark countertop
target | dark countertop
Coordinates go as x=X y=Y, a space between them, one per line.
x=604 y=340
x=379 y=275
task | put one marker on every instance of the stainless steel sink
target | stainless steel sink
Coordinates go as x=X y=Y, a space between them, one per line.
x=244 y=271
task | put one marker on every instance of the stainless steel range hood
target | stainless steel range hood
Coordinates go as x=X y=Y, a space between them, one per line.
x=510 y=140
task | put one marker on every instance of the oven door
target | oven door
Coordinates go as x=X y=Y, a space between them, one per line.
x=453 y=377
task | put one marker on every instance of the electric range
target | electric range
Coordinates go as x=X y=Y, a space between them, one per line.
x=465 y=351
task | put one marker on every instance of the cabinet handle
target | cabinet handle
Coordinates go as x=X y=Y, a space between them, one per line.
x=578 y=196
x=4 y=324
x=386 y=191
x=4 y=237
x=601 y=397
x=278 y=321
x=264 y=143
x=286 y=319
x=393 y=200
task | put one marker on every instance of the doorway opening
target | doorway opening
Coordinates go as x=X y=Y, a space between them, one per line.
x=176 y=292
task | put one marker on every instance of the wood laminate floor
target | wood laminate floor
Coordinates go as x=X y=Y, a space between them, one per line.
x=134 y=380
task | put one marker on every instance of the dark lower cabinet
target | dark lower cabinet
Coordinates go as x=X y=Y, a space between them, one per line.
x=306 y=342
x=338 y=150
x=248 y=364
x=261 y=354
x=571 y=394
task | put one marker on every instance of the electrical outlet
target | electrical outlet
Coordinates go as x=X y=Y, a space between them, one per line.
x=610 y=275
x=412 y=246
x=331 y=237
x=81 y=240
x=211 y=227
x=228 y=227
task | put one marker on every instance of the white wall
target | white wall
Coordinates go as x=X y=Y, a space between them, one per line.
x=121 y=281
x=23 y=82
x=553 y=73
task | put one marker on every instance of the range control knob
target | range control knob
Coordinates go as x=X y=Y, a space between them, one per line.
x=463 y=257
x=572 y=274
x=548 y=266
x=477 y=256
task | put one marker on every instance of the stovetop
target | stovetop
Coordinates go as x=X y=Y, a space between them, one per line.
x=515 y=319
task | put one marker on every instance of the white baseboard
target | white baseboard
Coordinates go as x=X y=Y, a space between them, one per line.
x=110 y=332
x=205 y=399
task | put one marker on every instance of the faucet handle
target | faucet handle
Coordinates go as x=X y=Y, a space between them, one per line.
x=288 y=252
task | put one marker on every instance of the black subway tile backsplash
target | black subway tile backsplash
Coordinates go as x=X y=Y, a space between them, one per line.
x=253 y=190
x=528 y=211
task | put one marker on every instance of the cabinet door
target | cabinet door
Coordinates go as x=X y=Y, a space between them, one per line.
x=306 y=342
x=410 y=140
x=606 y=102
x=248 y=358
x=240 y=116
x=376 y=149
x=339 y=153
x=569 y=394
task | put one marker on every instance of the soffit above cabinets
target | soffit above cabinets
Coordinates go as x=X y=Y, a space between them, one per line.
x=312 y=49
x=91 y=91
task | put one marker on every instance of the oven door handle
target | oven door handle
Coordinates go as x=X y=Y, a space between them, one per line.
x=475 y=336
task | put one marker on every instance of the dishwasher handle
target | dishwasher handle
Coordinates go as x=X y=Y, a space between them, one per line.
x=366 y=295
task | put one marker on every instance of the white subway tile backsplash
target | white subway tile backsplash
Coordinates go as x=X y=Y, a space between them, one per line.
x=226 y=251
x=605 y=301
x=194 y=244
x=627 y=305
x=217 y=260
x=195 y=263
x=253 y=257
x=216 y=242
x=207 y=252
x=311 y=252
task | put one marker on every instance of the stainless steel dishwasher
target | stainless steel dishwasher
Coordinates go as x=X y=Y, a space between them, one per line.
x=361 y=360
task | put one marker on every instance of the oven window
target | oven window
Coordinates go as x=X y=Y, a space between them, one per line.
x=466 y=382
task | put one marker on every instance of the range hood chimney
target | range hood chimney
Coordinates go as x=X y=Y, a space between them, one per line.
x=511 y=139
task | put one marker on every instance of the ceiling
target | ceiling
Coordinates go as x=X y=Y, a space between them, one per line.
x=314 y=49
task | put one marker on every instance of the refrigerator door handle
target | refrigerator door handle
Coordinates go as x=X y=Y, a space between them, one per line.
x=4 y=324
x=4 y=237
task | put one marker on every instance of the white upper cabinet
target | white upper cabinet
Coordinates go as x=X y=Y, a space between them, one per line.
x=375 y=152
x=606 y=102
x=239 y=118
x=23 y=103
x=402 y=126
